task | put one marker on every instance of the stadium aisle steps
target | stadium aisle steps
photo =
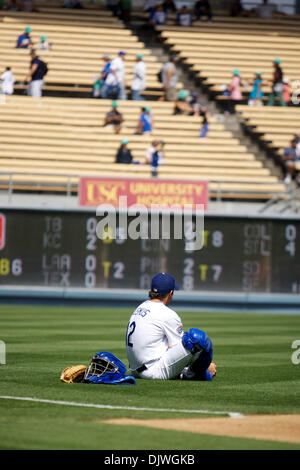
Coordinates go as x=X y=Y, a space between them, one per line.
x=66 y=138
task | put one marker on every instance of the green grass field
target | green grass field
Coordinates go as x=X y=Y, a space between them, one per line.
x=252 y=353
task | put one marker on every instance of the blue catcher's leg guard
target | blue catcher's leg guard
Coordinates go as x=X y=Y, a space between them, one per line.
x=201 y=364
x=196 y=340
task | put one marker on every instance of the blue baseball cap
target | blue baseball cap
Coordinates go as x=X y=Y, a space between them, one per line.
x=163 y=283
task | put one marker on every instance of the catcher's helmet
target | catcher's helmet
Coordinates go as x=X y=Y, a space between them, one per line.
x=106 y=368
x=196 y=340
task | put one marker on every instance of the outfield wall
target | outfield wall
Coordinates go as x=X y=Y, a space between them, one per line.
x=129 y=298
x=57 y=255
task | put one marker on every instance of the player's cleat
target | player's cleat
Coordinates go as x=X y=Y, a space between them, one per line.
x=196 y=340
x=200 y=369
x=189 y=374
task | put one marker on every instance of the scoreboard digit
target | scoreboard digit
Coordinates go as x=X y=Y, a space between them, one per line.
x=286 y=257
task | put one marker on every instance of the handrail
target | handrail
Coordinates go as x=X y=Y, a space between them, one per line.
x=68 y=185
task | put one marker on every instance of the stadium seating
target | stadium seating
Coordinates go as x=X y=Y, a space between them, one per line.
x=79 y=41
x=210 y=52
x=274 y=126
x=48 y=144
x=53 y=141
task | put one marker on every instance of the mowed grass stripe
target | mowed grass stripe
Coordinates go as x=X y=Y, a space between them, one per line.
x=252 y=353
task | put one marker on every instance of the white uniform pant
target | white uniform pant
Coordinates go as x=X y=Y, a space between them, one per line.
x=169 y=365
x=35 y=88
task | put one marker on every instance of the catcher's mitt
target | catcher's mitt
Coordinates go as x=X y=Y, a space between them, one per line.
x=73 y=374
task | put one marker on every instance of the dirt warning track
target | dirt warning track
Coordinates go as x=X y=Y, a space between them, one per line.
x=284 y=428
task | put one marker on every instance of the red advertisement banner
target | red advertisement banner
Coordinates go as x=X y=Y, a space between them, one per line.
x=96 y=191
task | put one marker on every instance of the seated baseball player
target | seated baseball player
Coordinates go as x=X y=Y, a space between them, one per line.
x=156 y=345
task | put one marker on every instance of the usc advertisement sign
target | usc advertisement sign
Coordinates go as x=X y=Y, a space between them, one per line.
x=96 y=191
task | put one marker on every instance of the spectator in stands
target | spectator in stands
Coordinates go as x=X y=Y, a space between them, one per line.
x=184 y=17
x=204 y=129
x=286 y=93
x=277 y=85
x=288 y=158
x=154 y=156
x=235 y=91
x=158 y=16
x=146 y=121
x=7 y=82
x=124 y=154
x=265 y=10
x=202 y=8
x=170 y=78
x=103 y=76
x=126 y=7
x=200 y=109
x=24 y=40
x=114 y=118
x=44 y=44
x=35 y=76
x=297 y=139
x=225 y=90
x=115 y=80
x=256 y=94
x=194 y=102
x=237 y=9
x=139 y=78
x=181 y=105
x=169 y=6
x=197 y=104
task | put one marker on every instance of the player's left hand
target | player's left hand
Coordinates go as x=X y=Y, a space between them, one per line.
x=212 y=369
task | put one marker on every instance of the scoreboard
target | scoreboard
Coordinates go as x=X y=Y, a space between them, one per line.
x=62 y=249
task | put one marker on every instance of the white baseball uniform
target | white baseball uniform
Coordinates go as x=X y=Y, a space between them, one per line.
x=153 y=340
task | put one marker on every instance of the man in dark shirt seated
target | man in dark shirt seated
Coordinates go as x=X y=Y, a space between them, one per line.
x=124 y=154
x=289 y=158
x=181 y=105
x=114 y=118
x=24 y=40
